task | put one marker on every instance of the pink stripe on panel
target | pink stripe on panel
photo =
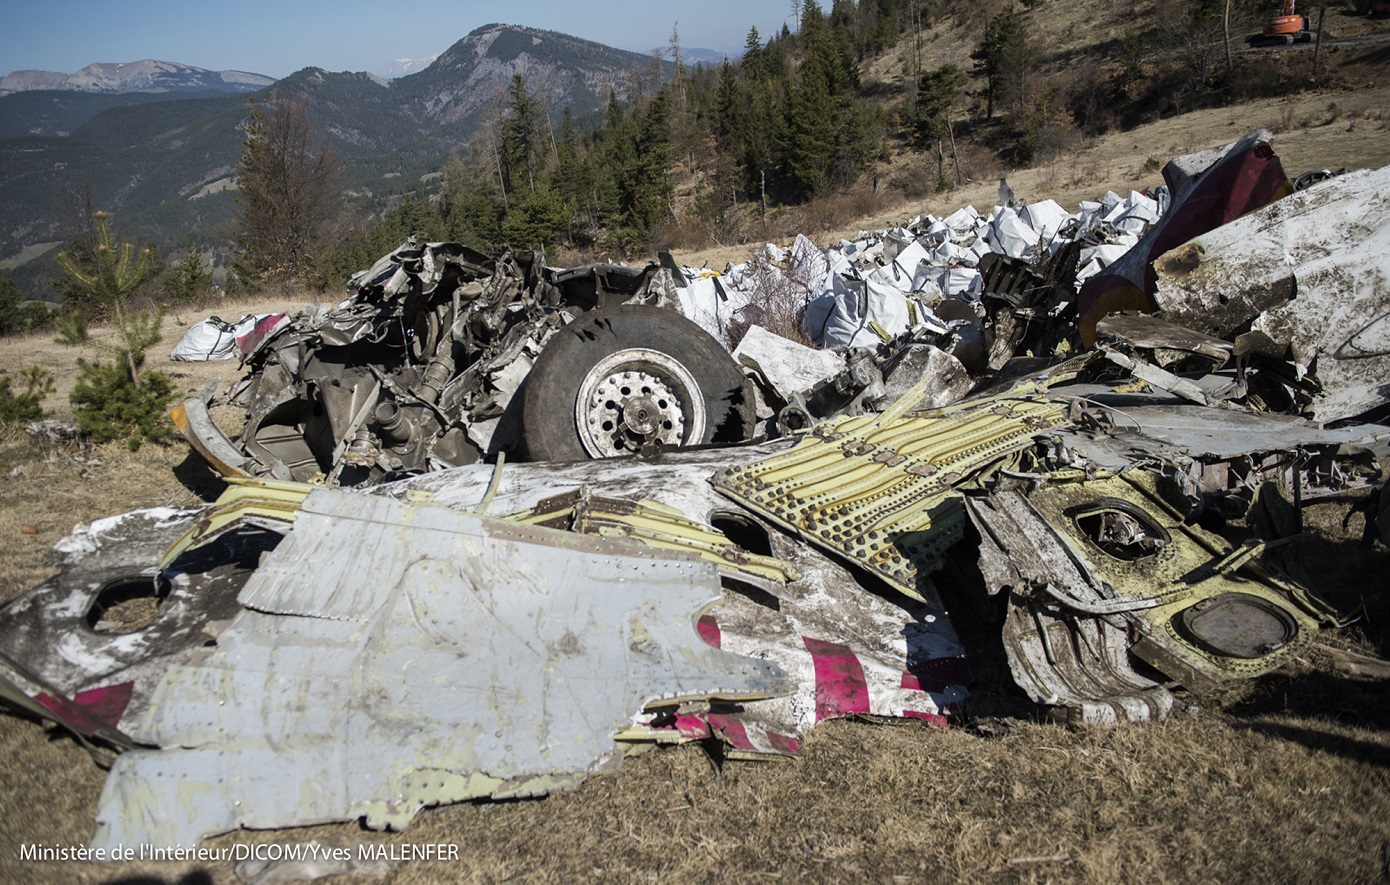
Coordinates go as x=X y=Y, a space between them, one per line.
x=91 y=709
x=731 y=730
x=693 y=727
x=840 y=686
x=935 y=719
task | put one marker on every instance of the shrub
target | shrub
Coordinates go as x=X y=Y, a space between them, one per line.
x=116 y=401
x=109 y=406
x=18 y=315
x=26 y=406
x=188 y=282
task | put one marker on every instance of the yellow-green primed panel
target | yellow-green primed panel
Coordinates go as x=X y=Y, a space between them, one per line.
x=268 y=498
x=1194 y=565
x=655 y=525
x=882 y=490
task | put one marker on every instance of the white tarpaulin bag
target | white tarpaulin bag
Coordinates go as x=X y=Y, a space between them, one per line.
x=212 y=339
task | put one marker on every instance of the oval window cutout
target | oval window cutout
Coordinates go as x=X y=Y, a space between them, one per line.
x=1121 y=530
x=125 y=606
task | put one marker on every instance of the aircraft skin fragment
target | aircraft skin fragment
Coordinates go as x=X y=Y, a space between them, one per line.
x=434 y=657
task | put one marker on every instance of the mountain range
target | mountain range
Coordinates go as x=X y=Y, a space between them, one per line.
x=163 y=163
x=138 y=76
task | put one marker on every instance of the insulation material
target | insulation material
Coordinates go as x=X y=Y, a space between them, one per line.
x=848 y=286
x=1046 y=218
x=843 y=319
x=1011 y=235
x=1094 y=259
x=706 y=302
x=474 y=658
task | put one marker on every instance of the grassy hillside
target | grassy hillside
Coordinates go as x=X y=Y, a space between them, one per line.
x=1090 y=70
x=44 y=112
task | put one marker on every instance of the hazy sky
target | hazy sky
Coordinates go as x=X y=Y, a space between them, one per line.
x=278 y=37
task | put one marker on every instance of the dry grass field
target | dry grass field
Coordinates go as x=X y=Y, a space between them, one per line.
x=1284 y=779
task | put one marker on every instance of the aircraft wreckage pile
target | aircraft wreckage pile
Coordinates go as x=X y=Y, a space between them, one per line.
x=1072 y=394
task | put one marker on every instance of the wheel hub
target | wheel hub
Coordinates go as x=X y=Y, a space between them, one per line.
x=636 y=399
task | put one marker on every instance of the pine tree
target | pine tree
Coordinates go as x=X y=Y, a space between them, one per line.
x=1003 y=37
x=536 y=220
x=20 y=408
x=518 y=148
x=287 y=192
x=753 y=55
x=116 y=400
x=188 y=281
x=937 y=93
x=17 y=313
x=118 y=271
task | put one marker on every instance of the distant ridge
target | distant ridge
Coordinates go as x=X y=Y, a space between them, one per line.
x=560 y=70
x=165 y=162
x=149 y=75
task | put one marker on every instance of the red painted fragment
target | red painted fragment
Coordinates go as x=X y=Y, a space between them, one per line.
x=784 y=744
x=266 y=326
x=1238 y=183
x=92 y=710
x=731 y=730
x=840 y=686
x=692 y=727
x=935 y=719
x=708 y=628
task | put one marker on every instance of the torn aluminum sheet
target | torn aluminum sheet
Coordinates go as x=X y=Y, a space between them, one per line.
x=473 y=658
x=888 y=660
x=64 y=644
x=659 y=527
x=884 y=491
x=1312 y=272
x=910 y=363
x=1101 y=567
x=1141 y=426
x=1214 y=453
x=1169 y=343
x=849 y=649
x=1209 y=189
x=788 y=367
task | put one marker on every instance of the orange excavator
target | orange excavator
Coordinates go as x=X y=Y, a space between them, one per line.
x=1282 y=28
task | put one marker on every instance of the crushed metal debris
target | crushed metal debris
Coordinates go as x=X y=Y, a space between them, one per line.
x=731 y=536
